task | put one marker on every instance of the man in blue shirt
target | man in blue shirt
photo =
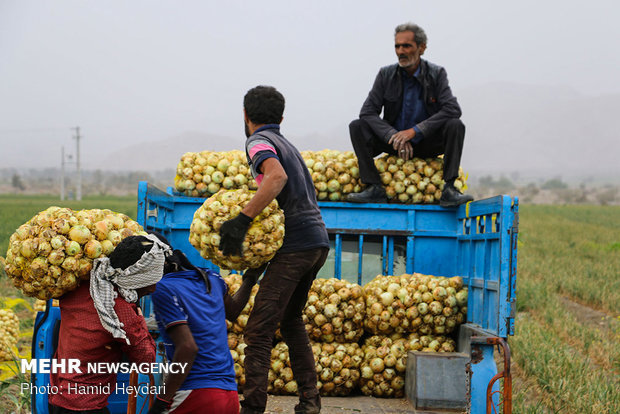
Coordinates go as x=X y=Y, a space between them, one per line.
x=191 y=305
x=420 y=119
x=281 y=173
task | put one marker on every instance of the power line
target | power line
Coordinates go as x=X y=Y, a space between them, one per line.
x=31 y=130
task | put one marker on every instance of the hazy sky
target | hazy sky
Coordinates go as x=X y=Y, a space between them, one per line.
x=133 y=71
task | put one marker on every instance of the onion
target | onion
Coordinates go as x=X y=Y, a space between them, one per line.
x=73 y=248
x=28 y=249
x=93 y=249
x=377 y=365
x=387 y=298
x=435 y=307
x=80 y=234
x=115 y=237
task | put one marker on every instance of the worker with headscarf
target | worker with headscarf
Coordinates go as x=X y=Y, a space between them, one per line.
x=101 y=322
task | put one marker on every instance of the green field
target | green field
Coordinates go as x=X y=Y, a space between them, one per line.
x=16 y=210
x=566 y=351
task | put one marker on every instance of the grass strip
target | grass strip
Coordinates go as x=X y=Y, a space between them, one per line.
x=570 y=382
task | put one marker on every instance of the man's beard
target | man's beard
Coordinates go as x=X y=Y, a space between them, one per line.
x=247 y=130
x=407 y=63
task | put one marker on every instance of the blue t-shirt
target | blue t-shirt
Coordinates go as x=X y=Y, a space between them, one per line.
x=182 y=297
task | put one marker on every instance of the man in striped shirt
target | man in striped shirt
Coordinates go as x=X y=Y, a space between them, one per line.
x=281 y=173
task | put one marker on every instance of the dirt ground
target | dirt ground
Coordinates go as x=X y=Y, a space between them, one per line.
x=592 y=317
x=344 y=405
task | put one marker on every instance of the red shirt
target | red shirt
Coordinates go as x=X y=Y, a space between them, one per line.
x=83 y=337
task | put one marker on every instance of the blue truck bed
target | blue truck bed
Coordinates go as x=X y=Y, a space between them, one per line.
x=476 y=241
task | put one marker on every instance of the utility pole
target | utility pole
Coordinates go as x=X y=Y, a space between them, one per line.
x=78 y=194
x=62 y=173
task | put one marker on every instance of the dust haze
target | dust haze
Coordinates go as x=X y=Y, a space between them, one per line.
x=147 y=81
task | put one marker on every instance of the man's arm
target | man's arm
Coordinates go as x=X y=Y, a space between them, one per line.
x=372 y=107
x=185 y=351
x=172 y=317
x=274 y=180
x=449 y=107
x=234 y=304
x=233 y=231
x=141 y=346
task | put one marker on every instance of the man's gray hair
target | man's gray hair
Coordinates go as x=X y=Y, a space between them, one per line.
x=418 y=32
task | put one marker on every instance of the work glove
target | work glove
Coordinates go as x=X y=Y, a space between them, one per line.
x=159 y=406
x=232 y=234
x=252 y=275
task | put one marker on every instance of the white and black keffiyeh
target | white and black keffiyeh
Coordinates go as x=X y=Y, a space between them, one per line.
x=103 y=278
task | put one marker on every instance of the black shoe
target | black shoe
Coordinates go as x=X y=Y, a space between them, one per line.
x=310 y=405
x=374 y=193
x=303 y=409
x=450 y=197
x=246 y=410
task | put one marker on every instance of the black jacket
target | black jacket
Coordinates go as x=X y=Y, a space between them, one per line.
x=387 y=94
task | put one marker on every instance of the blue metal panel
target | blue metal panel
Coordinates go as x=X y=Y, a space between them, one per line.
x=485 y=259
x=483 y=369
x=338 y=264
x=172 y=217
x=44 y=347
x=476 y=241
x=511 y=308
x=390 y=256
x=360 y=250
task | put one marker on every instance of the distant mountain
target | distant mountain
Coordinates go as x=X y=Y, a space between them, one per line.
x=164 y=154
x=550 y=130
x=529 y=129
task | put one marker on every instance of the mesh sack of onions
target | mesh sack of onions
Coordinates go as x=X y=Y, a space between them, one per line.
x=334 y=173
x=415 y=303
x=202 y=174
x=385 y=361
x=335 y=311
x=51 y=253
x=415 y=181
x=263 y=239
x=9 y=334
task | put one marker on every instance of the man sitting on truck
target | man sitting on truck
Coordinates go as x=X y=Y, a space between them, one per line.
x=191 y=307
x=281 y=173
x=420 y=119
x=101 y=321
